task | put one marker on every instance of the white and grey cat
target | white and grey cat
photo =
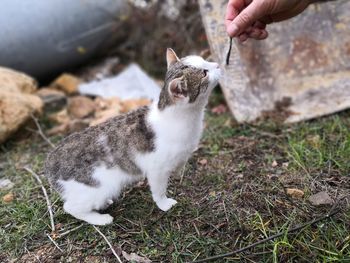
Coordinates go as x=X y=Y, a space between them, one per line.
x=90 y=168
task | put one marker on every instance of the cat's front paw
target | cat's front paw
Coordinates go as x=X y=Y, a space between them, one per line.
x=166 y=203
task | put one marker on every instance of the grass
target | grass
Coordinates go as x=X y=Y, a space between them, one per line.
x=233 y=199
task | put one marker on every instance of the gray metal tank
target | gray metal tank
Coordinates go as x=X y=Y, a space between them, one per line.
x=40 y=37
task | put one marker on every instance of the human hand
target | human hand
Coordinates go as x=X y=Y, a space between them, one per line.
x=248 y=18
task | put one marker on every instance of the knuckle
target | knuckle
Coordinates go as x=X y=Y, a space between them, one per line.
x=245 y=18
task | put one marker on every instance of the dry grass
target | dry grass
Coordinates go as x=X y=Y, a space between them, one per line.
x=234 y=198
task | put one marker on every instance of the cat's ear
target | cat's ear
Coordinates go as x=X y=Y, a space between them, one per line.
x=178 y=89
x=171 y=57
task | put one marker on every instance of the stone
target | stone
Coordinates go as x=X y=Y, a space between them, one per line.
x=289 y=77
x=67 y=83
x=17 y=101
x=8 y=198
x=6 y=184
x=80 y=107
x=60 y=117
x=14 y=80
x=321 y=198
x=54 y=100
x=296 y=193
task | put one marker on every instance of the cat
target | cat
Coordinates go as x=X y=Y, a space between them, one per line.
x=90 y=168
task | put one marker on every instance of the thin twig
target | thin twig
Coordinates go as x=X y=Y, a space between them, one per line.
x=108 y=243
x=49 y=206
x=312 y=222
x=54 y=242
x=70 y=231
x=40 y=131
x=228 y=55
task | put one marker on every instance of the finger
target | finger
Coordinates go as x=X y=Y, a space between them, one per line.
x=234 y=7
x=255 y=33
x=259 y=24
x=246 y=18
x=242 y=37
x=258 y=34
x=264 y=34
x=249 y=30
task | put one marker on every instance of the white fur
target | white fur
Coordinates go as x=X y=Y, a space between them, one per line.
x=199 y=62
x=178 y=129
x=81 y=200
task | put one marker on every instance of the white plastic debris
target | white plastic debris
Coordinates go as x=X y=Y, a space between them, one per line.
x=6 y=184
x=132 y=83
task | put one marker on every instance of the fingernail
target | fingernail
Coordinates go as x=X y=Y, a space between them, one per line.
x=232 y=30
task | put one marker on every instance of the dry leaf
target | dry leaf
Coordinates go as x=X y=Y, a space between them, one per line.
x=135 y=258
x=296 y=193
x=8 y=198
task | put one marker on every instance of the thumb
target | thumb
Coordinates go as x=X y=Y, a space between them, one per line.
x=246 y=18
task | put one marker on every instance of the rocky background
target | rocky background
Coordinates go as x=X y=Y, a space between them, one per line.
x=175 y=24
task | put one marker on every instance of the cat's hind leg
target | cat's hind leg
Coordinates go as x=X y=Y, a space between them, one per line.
x=86 y=213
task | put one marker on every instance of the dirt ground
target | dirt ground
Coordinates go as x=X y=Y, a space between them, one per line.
x=233 y=193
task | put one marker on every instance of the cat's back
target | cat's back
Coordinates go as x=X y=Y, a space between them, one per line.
x=110 y=143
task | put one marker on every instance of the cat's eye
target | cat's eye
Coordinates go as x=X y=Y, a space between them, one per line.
x=205 y=71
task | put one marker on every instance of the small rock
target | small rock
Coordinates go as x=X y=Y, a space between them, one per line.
x=274 y=163
x=321 y=198
x=6 y=184
x=17 y=103
x=80 y=107
x=61 y=117
x=67 y=83
x=203 y=162
x=296 y=193
x=54 y=100
x=285 y=165
x=17 y=80
x=8 y=198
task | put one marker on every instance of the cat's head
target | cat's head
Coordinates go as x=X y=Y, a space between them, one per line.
x=188 y=81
